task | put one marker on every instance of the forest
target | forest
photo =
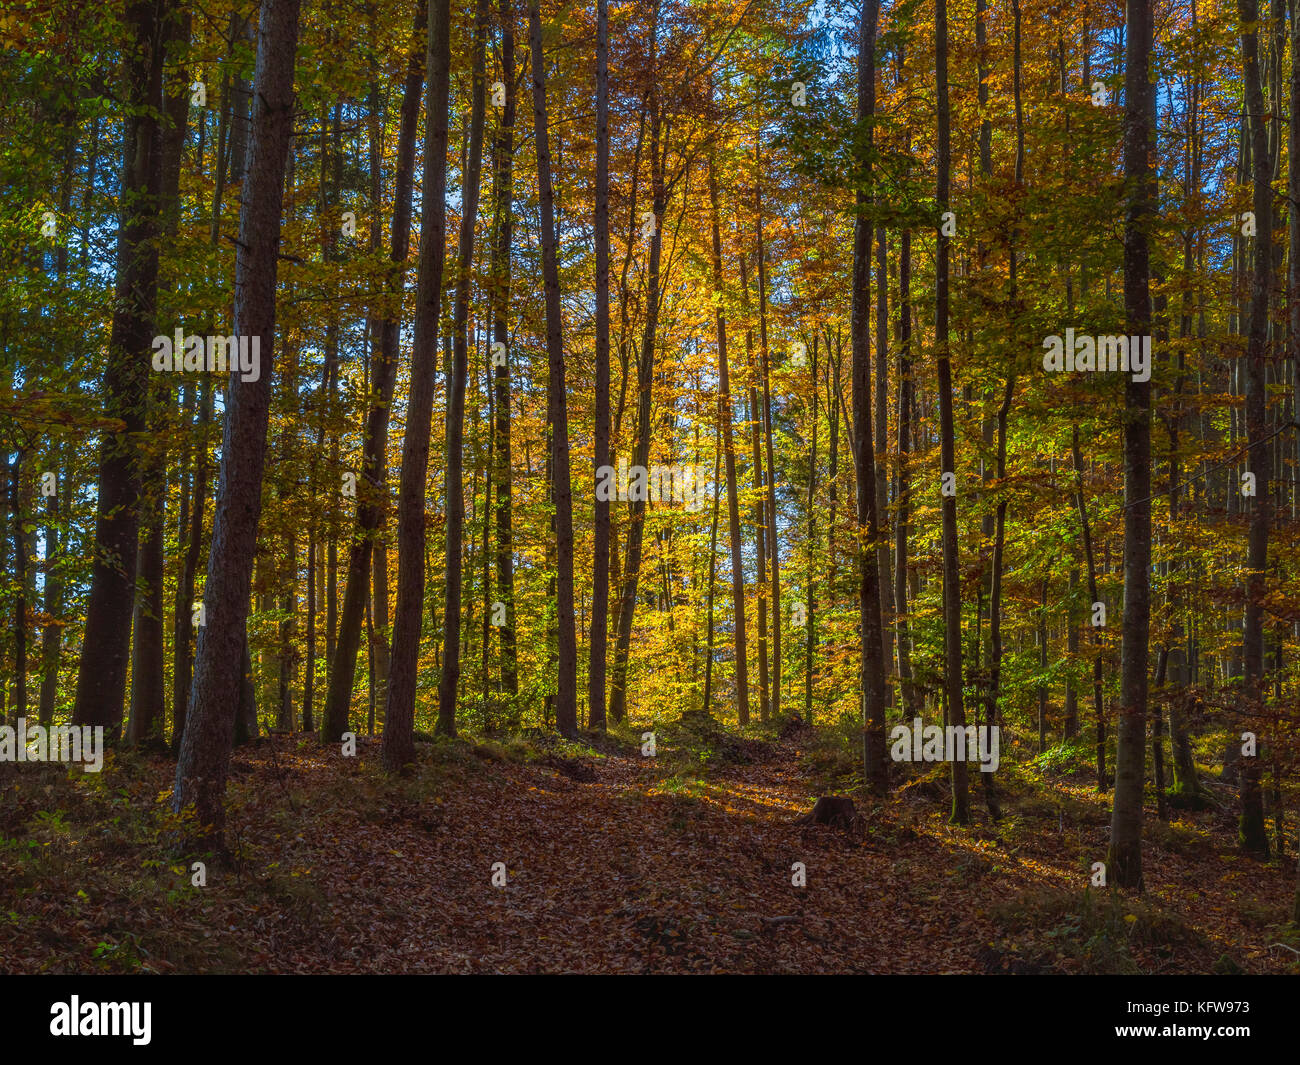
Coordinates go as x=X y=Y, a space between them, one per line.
x=395 y=571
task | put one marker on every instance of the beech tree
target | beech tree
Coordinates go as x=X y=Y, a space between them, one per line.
x=1125 y=861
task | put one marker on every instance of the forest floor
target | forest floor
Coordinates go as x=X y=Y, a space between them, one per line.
x=615 y=862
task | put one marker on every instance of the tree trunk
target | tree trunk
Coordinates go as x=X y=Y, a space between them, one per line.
x=183 y=660
x=372 y=501
x=951 y=563
x=566 y=707
x=503 y=191
x=148 y=694
x=645 y=379
x=600 y=558
x=880 y=437
x=769 y=497
x=1125 y=860
x=51 y=632
x=205 y=748
x=754 y=419
x=809 y=588
x=729 y=458
x=872 y=675
x=706 y=702
x=101 y=679
x=1252 y=829
x=453 y=482
x=399 y=715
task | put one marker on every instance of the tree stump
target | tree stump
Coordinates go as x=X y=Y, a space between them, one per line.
x=834 y=810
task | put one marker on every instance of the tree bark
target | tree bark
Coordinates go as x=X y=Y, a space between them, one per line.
x=645 y=379
x=951 y=562
x=566 y=707
x=1125 y=860
x=769 y=497
x=504 y=194
x=101 y=678
x=372 y=501
x=729 y=459
x=205 y=748
x=600 y=558
x=1252 y=829
x=872 y=670
x=148 y=693
x=453 y=481
x=399 y=715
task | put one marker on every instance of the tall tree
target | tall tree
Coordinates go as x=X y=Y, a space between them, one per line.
x=148 y=693
x=372 y=502
x=566 y=683
x=1253 y=832
x=872 y=670
x=729 y=458
x=454 y=478
x=951 y=563
x=101 y=677
x=503 y=194
x=600 y=543
x=644 y=381
x=399 y=715
x=769 y=498
x=1125 y=862
x=205 y=749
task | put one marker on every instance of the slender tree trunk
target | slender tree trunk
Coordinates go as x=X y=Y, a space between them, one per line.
x=951 y=562
x=454 y=477
x=18 y=505
x=754 y=419
x=600 y=557
x=1293 y=278
x=205 y=748
x=399 y=714
x=645 y=380
x=503 y=191
x=1252 y=829
x=182 y=670
x=1125 y=861
x=566 y=707
x=148 y=692
x=1070 y=726
x=809 y=587
x=707 y=702
x=1158 y=736
x=880 y=383
x=372 y=501
x=872 y=675
x=729 y=458
x=1042 y=666
x=769 y=498
x=911 y=704
x=51 y=632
